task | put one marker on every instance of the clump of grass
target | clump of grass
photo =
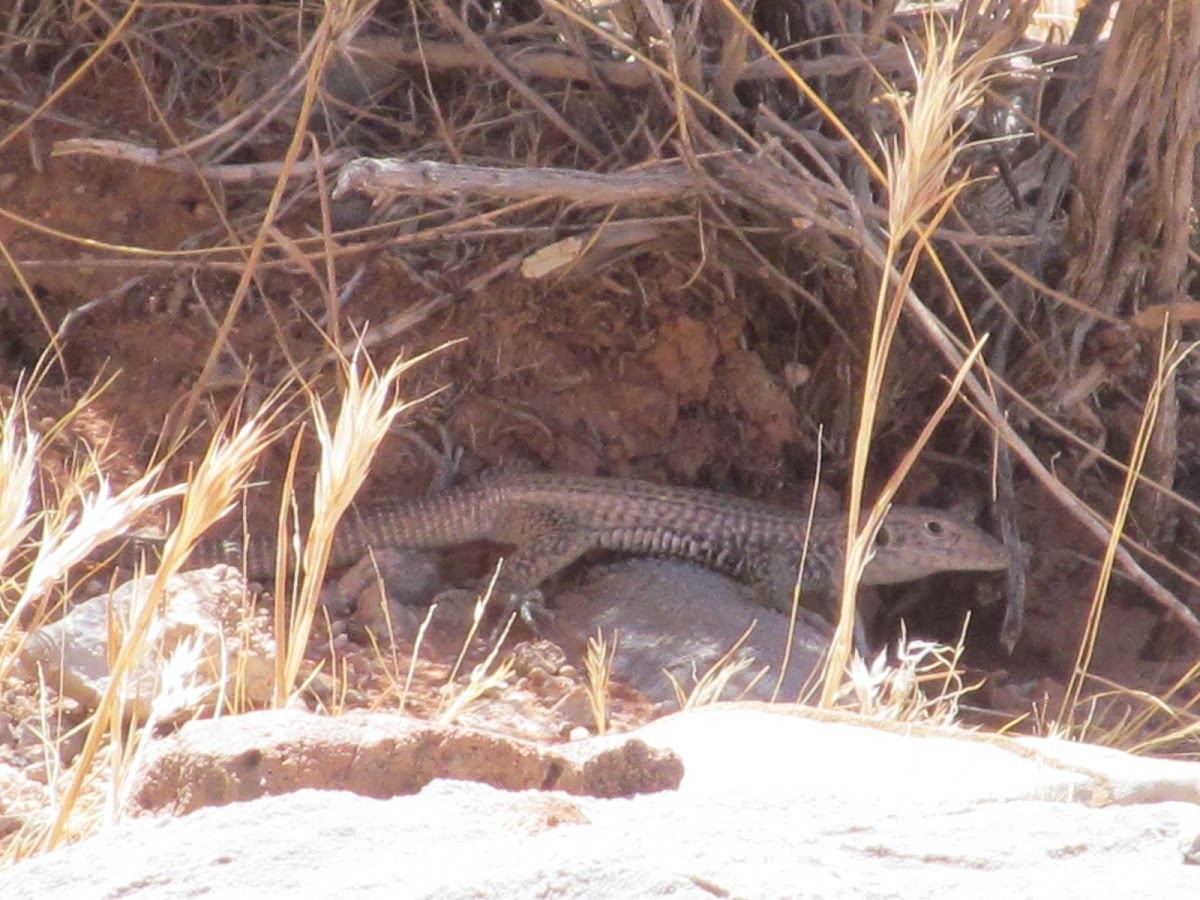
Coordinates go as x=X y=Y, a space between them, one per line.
x=1169 y=359
x=899 y=690
x=920 y=193
x=483 y=678
x=69 y=534
x=88 y=515
x=91 y=514
x=220 y=476
x=1165 y=724
x=598 y=663
x=369 y=405
x=418 y=642
x=712 y=685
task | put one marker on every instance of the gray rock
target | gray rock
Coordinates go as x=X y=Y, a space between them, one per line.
x=205 y=634
x=682 y=618
x=777 y=802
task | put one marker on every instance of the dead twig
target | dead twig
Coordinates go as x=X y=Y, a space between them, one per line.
x=171 y=161
x=426 y=178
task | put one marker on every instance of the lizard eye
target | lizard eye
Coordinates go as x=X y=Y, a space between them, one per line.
x=934 y=527
x=883 y=537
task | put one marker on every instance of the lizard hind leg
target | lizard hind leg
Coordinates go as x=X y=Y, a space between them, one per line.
x=536 y=559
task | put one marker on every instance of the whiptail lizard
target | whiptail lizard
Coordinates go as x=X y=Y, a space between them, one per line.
x=552 y=520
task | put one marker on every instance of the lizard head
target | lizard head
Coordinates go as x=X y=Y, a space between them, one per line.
x=914 y=542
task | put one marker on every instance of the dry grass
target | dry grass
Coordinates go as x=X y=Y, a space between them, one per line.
x=217 y=481
x=920 y=192
x=1169 y=359
x=484 y=677
x=714 y=683
x=67 y=535
x=369 y=405
x=62 y=536
x=598 y=662
x=18 y=459
x=921 y=681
